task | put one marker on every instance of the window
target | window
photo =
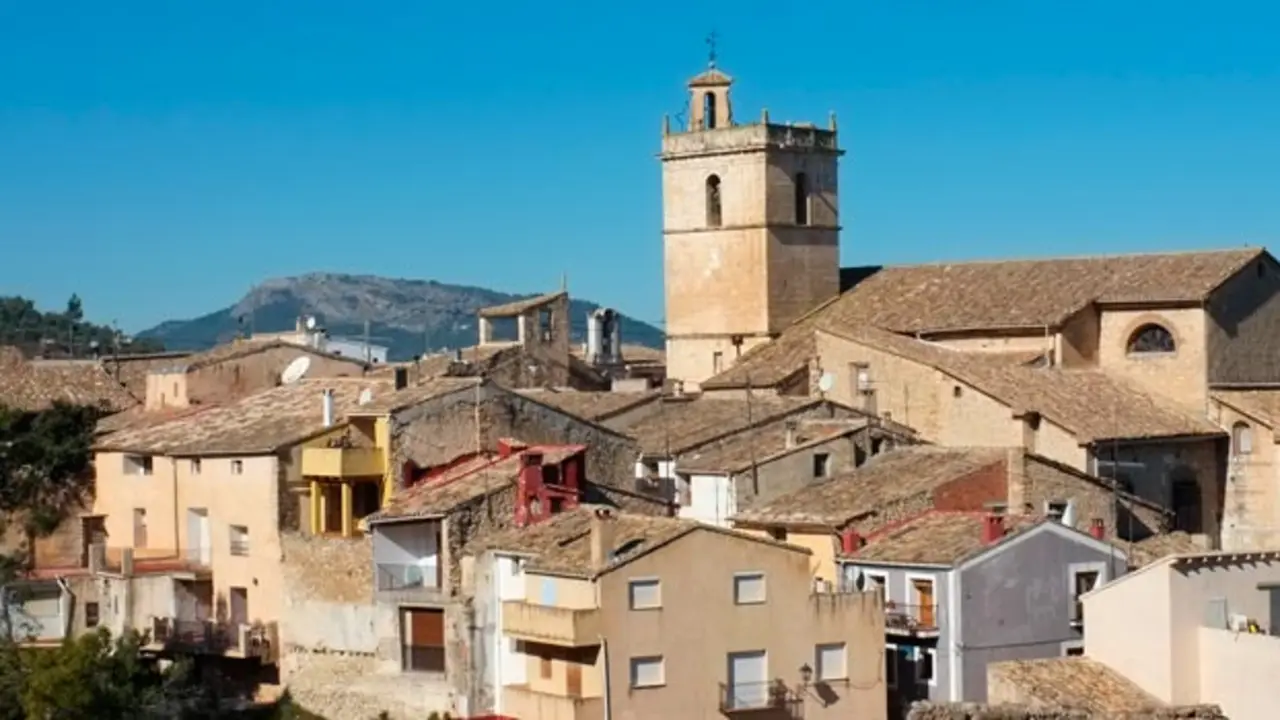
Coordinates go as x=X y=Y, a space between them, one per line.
x=829 y=662
x=924 y=665
x=139 y=527
x=891 y=666
x=237 y=467
x=195 y=466
x=802 y=199
x=645 y=594
x=1082 y=581
x=877 y=583
x=1073 y=650
x=1056 y=510
x=779 y=534
x=957 y=391
x=748 y=588
x=137 y=464
x=647 y=672
x=544 y=324
x=239 y=540
x=717 y=362
x=1241 y=439
x=709 y=110
x=713 y=201
x=1151 y=339
x=422 y=640
x=821 y=465
x=91 y=614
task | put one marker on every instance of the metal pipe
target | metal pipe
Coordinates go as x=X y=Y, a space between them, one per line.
x=608 y=684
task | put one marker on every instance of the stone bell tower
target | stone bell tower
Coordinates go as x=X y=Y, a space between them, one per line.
x=750 y=228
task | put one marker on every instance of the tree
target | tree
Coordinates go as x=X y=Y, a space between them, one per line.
x=75 y=309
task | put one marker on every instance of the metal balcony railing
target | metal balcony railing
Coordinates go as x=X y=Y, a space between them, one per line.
x=910 y=618
x=757 y=696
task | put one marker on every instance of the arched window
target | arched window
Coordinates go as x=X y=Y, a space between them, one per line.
x=1151 y=339
x=1241 y=439
x=708 y=110
x=802 y=199
x=713 y=201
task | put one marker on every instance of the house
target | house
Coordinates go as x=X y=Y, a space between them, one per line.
x=827 y=517
x=1194 y=628
x=614 y=408
x=663 y=617
x=963 y=589
x=212 y=493
x=714 y=482
x=37 y=384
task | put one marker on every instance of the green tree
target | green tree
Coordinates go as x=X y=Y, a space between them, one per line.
x=75 y=309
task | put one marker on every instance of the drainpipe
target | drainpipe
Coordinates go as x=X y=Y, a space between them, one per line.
x=70 y=597
x=608 y=686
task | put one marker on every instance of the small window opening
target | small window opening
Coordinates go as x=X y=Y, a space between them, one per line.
x=544 y=324
x=713 y=201
x=821 y=465
x=717 y=362
x=1151 y=339
x=709 y=110
x=1241 y=439
x=802 y=199
x=957 y=391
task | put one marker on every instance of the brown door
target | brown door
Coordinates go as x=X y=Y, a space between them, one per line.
x=924 y=595
x=239 y=606
x=424 y=640
x=139 y=528
x=573 y=679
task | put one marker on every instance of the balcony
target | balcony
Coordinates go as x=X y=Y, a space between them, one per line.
x=210 y=637
x=522 y=702
x=771 y=698
x=401 y=582
x=339 y=462
x=551 y=625
x=903 y=619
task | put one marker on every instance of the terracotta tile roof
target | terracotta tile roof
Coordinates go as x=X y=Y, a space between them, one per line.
x=139 y=417
x=1091 y=404
x=389 y=400
x=935 y=537
x=1157 y=547
x=37 y=384
x=1030 y=293
x=258 y=424
x=469 y=481
x=594 y=406
x=562 y=544
x=765 y=444
x=1262 y=405
x=681 y=424
x=886 y=478
x=132 y=370
x=710 y=76
x=519 y=307
x=1077 y=683
x=244 y=348
x=1006 y=294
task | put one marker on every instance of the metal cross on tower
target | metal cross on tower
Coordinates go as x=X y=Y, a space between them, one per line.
x=711 y=49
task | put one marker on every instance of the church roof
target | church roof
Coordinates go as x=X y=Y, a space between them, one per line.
x=711 y=77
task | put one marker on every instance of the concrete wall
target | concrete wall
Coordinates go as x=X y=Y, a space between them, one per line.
x=1238 y=672
x=1017 y=604
x=251 y=373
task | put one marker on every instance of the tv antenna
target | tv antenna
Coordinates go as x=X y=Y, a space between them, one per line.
x=296 y=369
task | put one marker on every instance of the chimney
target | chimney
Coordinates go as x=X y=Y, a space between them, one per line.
x=1015 y=467
x=1097 y=528
x=327 y=406
x=126 y=562
x=850 y=541
x=791 y=426
x=528 y=487
x=992 y=529
x=603 y=530
x=402 y=378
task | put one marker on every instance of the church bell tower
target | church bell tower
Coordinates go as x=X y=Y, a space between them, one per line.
x=750 y=228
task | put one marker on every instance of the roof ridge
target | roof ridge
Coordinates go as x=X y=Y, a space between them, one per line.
x=1251 y=249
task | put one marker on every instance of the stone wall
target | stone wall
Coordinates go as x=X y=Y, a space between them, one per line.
x=976 y=711
x=253 y=372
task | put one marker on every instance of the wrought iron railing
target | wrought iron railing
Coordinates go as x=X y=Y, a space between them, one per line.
x=913 y=618
x=748 y=696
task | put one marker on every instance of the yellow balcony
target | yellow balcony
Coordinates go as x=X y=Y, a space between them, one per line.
x=551 y=625
x=342 y=462
x=522 y=702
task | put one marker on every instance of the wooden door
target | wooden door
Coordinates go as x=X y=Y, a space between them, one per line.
x=423 y=631
x=240 y=606
x=573 y=679
x=924 y=601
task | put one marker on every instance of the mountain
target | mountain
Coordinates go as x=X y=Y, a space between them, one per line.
x=407 y=316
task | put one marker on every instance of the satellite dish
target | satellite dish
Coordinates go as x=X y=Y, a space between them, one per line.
x=1069 y=515
x=296 y=370
x=311 y=322
x=366 y=397
x=826 y=382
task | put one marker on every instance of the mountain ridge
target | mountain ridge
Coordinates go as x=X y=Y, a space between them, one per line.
x=409 y=316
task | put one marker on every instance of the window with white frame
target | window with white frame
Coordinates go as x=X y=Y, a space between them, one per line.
x=830 y=662
x=645 y=594
x=748 y=588
x=647 y=672
x=891 y=666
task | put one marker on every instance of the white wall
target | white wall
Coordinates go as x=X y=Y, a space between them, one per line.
x=712 y=499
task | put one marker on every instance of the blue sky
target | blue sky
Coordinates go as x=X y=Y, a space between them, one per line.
x=161 y=157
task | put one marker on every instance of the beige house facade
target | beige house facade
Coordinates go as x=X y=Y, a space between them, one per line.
x=661 y=617
x=1194 y=628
